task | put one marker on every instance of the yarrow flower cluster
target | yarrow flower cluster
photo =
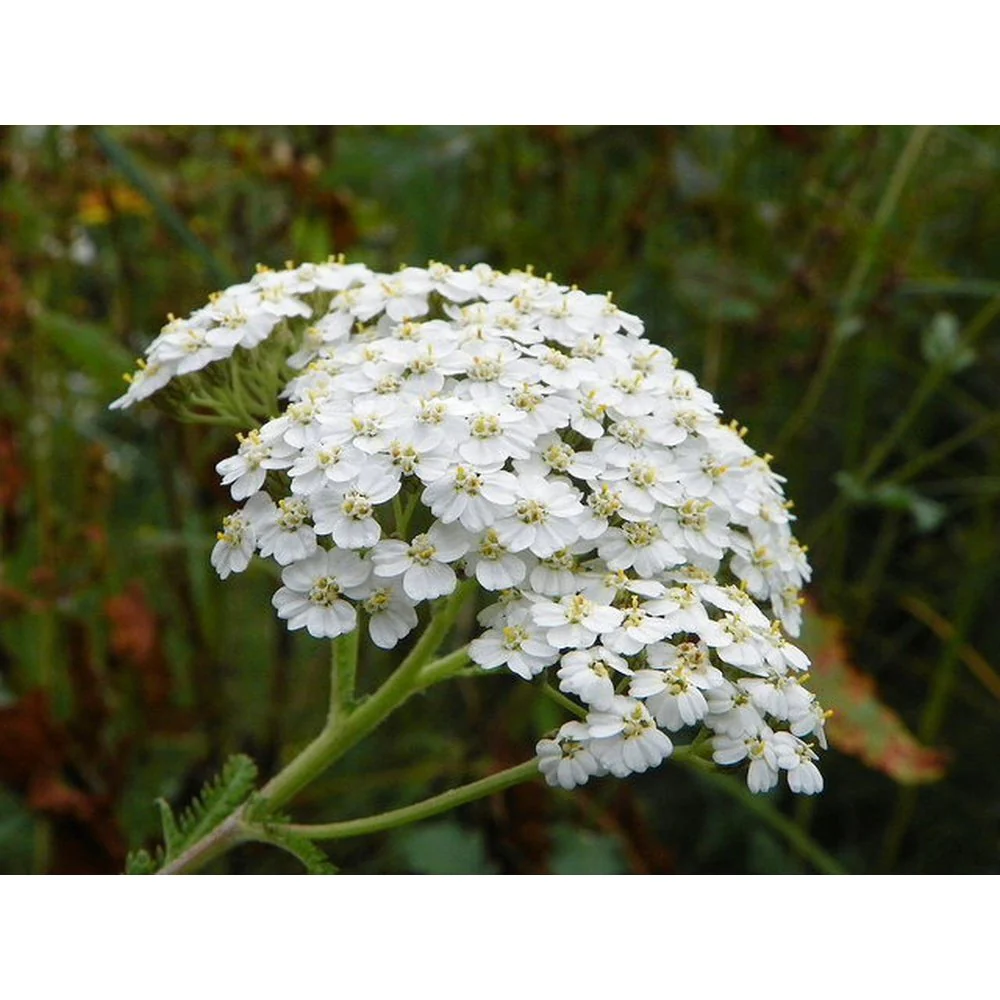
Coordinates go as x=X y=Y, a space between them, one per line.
x=442 y=424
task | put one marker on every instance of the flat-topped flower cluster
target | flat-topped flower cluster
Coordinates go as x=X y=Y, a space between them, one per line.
x=443 y=424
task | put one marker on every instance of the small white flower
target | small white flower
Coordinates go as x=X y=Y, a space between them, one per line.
x=519 y=645
x=778 y=695
x=473 y=497
x=544 y=517
x=767 y=755
x=624 y=738
x=638 y=545
x=148 y=378
x=368 y=425
x=423 y=563
x=799 y=763
x=493 y=565
x=562 y=573
x=566 y=761
x=235 y=544
x=672 y=697
x=812 y=723
x=590 y=674
x=348 y=516
x=246 y=471
x=313 y=595
x=282 y=529
x=391 y=615
x=575 y=621
x=402 y=295
x=735 y=642
x=323 y=464
x=638 y=630
x=241 y=316
x=732 y=713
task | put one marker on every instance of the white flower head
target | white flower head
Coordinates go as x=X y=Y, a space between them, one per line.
x=438 y=424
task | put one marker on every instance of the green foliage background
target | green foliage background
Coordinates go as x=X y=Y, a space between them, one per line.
x=836 y=288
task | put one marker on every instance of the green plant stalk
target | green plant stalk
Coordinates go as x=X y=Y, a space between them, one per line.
x=335 y=740
x=123 y=161
x=344 y=674
x=931 y=381
x=932 y=456
x=855 y=281
x=796 y=837
x=444 y=668
x=344 y=728
x=397 y=514
x=433 y=806
x=411 y=506
x=560 y=699
x=228 y=834
x=976 y=583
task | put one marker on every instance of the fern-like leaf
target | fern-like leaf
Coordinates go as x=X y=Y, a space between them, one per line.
x=218 y=799
x=313 y=859
x=141 y=863
x=171 y=834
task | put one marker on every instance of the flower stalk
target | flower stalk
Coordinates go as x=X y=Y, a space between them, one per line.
x=452 y=799
x=351 y=727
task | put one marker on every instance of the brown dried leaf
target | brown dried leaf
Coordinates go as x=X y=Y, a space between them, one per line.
x=861 y=725
x=136 y=639
x=30 y=742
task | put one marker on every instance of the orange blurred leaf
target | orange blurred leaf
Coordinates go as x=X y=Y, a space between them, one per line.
x=861 y=725
x=136 y=639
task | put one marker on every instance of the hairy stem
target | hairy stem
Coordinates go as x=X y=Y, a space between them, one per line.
x=443 y=668
x=335 y=740
x=343 y=675
x=227 y=834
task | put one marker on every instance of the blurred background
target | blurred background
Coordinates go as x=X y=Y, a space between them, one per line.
x=836 y=288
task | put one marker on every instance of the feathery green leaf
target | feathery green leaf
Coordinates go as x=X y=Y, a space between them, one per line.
x=313 y=859
x=217 y=800
x=171 y=834
x=140 y=863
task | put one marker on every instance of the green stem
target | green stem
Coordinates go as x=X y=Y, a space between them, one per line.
x=226 y=835
x=932 y=456
x=168 y=215
x=397 y=514
x=344 y=674
x=335 y=741
x=560 y=699
x=451 y=799
x=760 y=806
x=931 y=380
x=854 y=284
x=444 y=668
x=403 y=525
